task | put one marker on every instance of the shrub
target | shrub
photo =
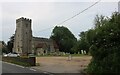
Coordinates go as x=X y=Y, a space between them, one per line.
x=105 y=49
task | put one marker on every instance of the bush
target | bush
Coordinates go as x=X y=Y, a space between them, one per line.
x=23 y=61
x=105 y=48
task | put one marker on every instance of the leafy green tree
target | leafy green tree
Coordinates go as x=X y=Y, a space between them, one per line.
x=90 y=35
x=4 y=48
x=10 y=43
x=83 y=43
x=105 y=45
x=64 y=38
x=76 y=48
x=100 y=21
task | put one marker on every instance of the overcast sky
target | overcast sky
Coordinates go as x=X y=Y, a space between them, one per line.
x=48 y=14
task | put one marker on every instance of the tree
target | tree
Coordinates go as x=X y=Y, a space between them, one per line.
x=105 y=45
x=100 y=21
x=64 y=38
x=83 y=43
x=4 y=49
x=10 y=43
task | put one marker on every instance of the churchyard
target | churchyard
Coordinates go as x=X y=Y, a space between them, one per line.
x=63 y=64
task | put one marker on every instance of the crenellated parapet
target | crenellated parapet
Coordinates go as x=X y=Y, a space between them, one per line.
x=23 y=36
x=23 y=19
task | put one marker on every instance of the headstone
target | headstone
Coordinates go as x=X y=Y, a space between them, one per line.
x=63 y=53
x=82 y=52
x=78 y=52
x=69 y=57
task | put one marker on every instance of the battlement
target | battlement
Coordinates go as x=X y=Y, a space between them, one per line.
x=23 y=19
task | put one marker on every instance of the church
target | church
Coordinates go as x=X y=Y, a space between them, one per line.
x=25 y=43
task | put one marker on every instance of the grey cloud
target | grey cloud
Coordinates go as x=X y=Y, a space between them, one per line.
x=45 y=15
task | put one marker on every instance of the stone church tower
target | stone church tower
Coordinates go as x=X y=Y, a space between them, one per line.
x=23 y=36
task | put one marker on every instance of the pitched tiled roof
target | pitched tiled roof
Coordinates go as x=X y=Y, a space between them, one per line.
x=41 y=45
x=55 y=45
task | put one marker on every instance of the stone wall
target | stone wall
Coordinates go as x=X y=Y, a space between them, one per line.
x=49 y=42
x=23 y=36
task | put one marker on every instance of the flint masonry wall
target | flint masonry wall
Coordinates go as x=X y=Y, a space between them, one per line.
x=23 y=36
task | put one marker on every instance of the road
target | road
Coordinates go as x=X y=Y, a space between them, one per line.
x=12 y=69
